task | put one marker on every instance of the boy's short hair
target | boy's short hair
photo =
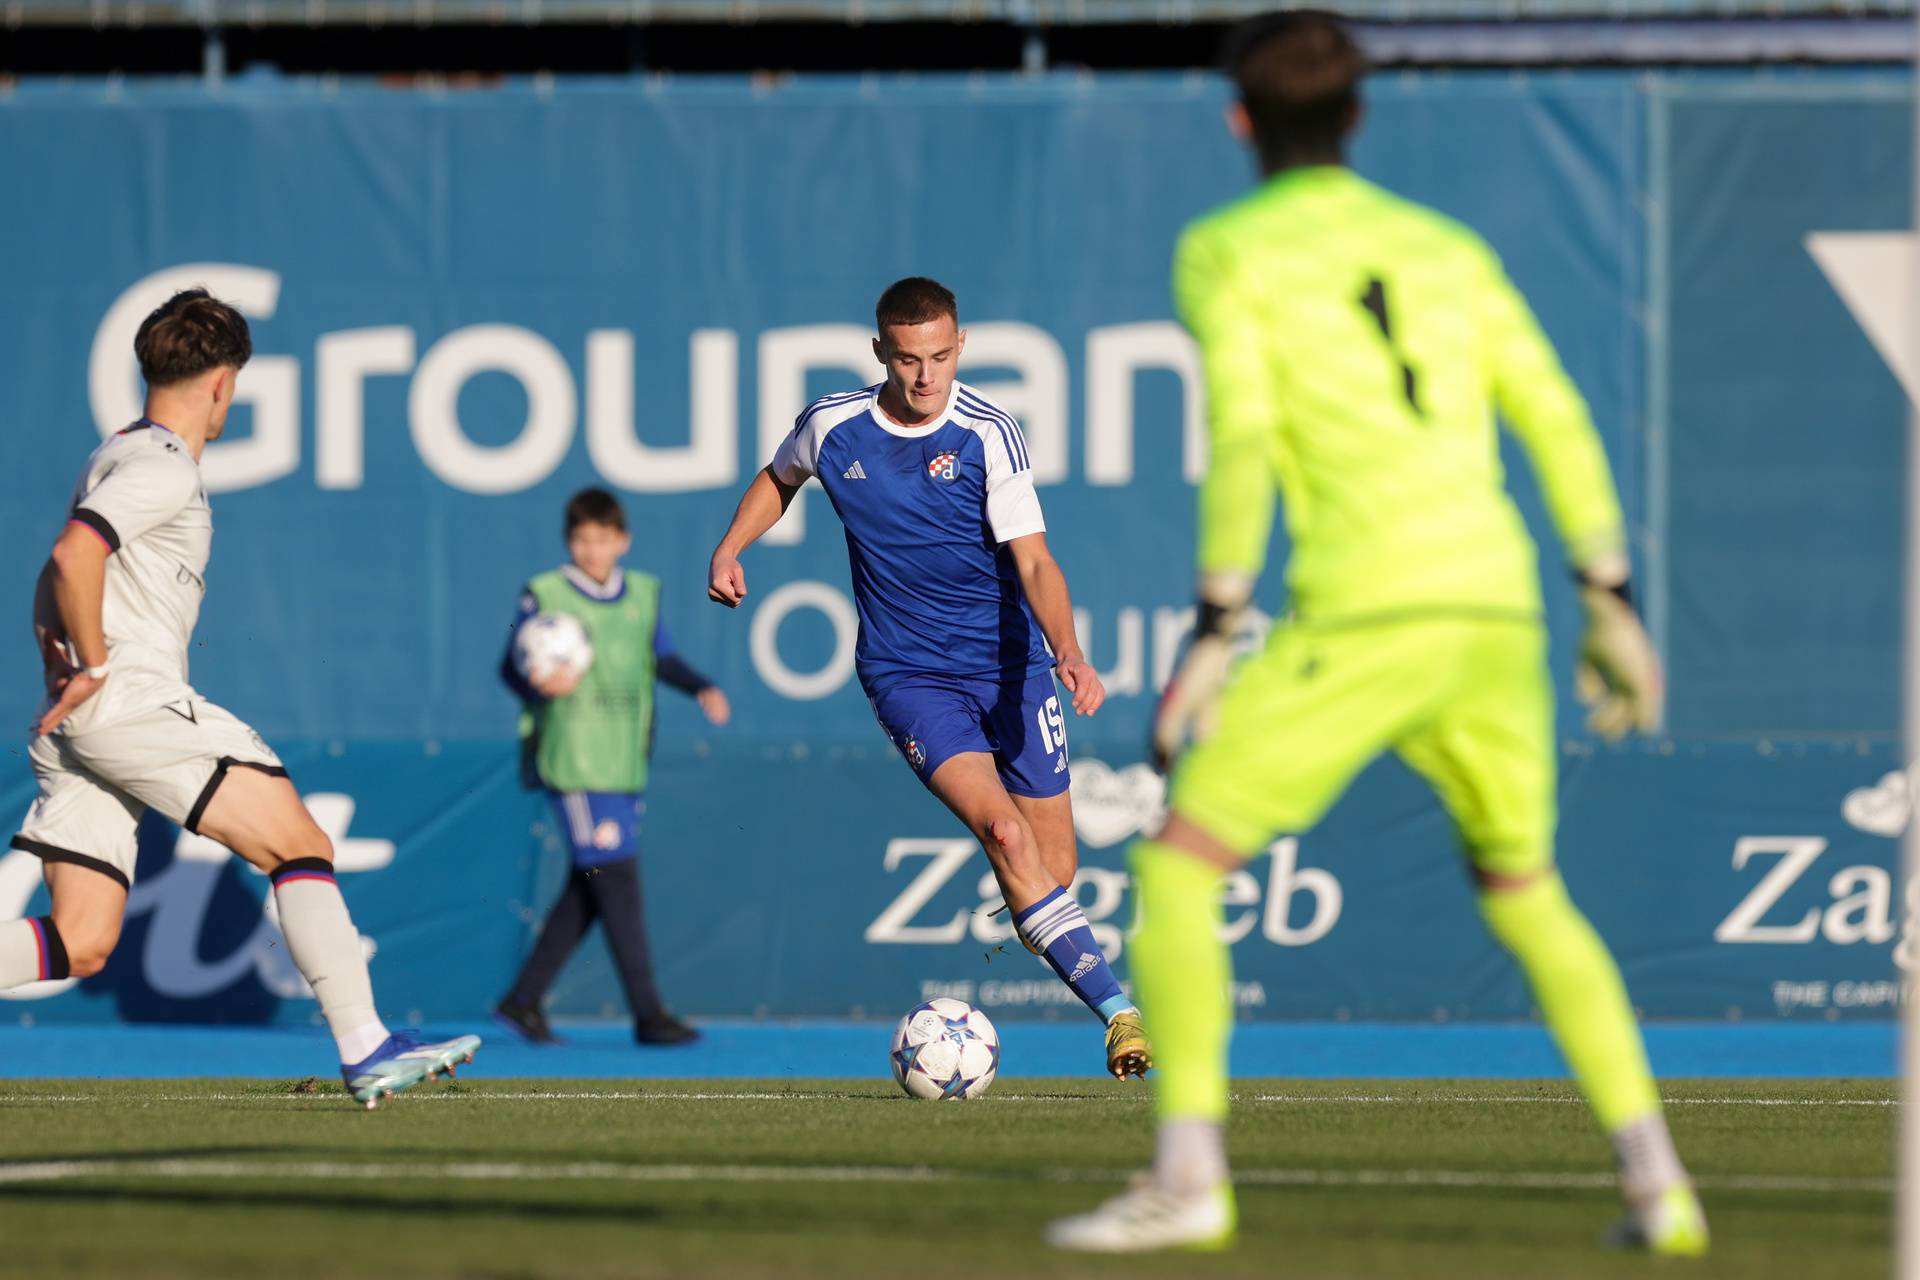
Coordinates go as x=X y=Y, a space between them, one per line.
x=188 y=334
x=1299 y=76
x=915 y=300
x=595 y=506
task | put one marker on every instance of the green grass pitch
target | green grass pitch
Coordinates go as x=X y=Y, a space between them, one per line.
x=829 y=1178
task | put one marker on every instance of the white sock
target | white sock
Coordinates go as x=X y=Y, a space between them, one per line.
x=326 y=949
x=1191 y=1156
x=1643 y=1149
x=22 y=953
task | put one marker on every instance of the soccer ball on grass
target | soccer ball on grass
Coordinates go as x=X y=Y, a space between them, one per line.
x=945 y=1049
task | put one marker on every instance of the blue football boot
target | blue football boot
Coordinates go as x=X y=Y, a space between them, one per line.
x=402 y=1062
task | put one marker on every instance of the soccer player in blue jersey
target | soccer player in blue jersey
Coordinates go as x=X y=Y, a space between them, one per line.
x=959 y=602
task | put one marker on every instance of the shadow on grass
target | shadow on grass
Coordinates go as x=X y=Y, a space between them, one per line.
x=438 y=1153
x=443 y=1207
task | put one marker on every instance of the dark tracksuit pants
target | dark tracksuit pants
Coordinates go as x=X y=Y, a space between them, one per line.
x=611 y=895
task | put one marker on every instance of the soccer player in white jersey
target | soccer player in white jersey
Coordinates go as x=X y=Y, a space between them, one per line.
x=959 y=602
x=121 y=730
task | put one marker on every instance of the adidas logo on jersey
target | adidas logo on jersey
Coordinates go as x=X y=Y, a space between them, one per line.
x=854 y=472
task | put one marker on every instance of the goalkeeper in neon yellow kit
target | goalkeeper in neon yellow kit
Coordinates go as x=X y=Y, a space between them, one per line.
x=1356 y=347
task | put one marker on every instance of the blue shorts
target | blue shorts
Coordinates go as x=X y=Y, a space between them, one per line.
x=932 y=718
x=599 y=826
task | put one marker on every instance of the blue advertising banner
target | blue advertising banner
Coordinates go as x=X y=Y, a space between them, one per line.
x=466 y=306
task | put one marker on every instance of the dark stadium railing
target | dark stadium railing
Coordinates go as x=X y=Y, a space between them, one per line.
x=15 y=13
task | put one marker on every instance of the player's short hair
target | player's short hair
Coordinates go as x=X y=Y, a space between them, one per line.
x=915 y=300
x=188 y=334
x=595 y=506
x=1299 y=77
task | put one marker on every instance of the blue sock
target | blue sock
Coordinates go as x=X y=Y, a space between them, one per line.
x=1057 y=928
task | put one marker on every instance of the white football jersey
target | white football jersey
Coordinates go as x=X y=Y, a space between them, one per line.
x=142 y=494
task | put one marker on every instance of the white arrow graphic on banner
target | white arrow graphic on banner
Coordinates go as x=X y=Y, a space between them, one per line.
x=1873 y=273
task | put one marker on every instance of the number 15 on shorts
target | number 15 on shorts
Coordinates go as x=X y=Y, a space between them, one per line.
x=1053 y=728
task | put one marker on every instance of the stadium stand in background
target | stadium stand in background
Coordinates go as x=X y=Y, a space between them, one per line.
x=221 y=37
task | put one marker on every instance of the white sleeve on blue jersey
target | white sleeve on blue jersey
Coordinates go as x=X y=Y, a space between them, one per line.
x=798 y=457
x=1013 y=508
x=793 y=461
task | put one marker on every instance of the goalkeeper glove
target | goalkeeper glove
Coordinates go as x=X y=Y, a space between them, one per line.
x=1186 y=711
x=1618 y=674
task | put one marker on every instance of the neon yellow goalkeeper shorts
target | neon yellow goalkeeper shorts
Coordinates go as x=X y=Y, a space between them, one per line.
x=1464 y=699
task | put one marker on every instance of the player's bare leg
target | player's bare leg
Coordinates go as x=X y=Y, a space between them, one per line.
x=969 y=785
x=1050 y=818
x=259 y=816
x=75 y=938
x=1046 y=916
x=88 y=908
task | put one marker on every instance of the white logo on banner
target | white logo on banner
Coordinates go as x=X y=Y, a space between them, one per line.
x=267 y=444
x=271 y=384
x=1147 y=644
x=1118 y=804
x=178 y=899
x=708 y=455
x=1109 y=805
x=1859 y=901
x=1872 y=271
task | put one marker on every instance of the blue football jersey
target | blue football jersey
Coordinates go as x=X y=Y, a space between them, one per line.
x=927 y=510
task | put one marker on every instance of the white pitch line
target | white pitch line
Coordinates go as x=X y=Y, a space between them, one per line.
x=327 y=1093
x=602 y=1172
x=1327 y=1100
x=1420 y=1178
x=1786 y=1102
x=1470 y=1099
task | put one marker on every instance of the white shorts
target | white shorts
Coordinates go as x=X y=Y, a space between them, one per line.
x=94 y=786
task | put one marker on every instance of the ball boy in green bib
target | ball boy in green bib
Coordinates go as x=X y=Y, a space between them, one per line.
x=585 y=739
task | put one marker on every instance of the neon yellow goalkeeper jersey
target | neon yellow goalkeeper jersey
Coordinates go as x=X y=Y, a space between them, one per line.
x=1356 y=346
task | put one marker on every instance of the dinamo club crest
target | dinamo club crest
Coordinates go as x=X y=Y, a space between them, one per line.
x=916 y=754
x=944 y=466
